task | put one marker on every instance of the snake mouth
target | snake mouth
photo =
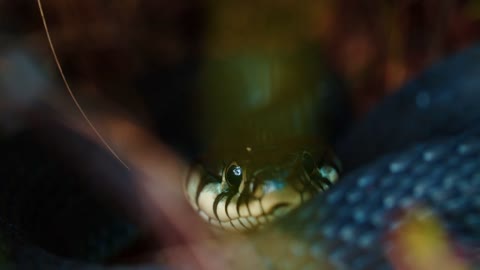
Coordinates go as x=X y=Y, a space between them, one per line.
x=251 y=220
x=250 y=223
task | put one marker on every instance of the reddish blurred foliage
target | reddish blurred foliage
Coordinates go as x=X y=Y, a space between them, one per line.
x=374 y=45
x=378 y=45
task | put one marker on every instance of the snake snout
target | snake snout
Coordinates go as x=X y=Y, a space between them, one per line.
x=277 y=197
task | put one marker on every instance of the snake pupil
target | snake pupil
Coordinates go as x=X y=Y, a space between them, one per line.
x=234 y=175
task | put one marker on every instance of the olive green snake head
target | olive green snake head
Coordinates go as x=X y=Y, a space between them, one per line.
x=257 y=187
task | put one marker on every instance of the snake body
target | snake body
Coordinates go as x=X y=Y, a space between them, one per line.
x=424 y=155
x=349 y=227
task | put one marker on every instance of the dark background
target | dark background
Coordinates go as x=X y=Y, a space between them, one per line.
x=143 y=55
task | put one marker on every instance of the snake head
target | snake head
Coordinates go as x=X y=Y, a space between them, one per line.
x=246 y=194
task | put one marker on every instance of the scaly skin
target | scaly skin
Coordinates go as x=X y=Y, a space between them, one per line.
x=349 y=227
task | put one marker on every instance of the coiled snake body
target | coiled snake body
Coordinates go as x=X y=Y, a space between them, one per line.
x=419 y=149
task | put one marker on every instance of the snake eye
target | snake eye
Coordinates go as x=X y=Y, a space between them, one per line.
x=308 y=162
x=234 y=175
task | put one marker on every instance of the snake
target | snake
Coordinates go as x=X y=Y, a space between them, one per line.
x=418 y=149
x=248 y=193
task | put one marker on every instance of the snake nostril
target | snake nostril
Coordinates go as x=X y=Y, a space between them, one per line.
x=280 y=209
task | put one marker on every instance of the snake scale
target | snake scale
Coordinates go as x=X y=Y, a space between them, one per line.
x=419 y=149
